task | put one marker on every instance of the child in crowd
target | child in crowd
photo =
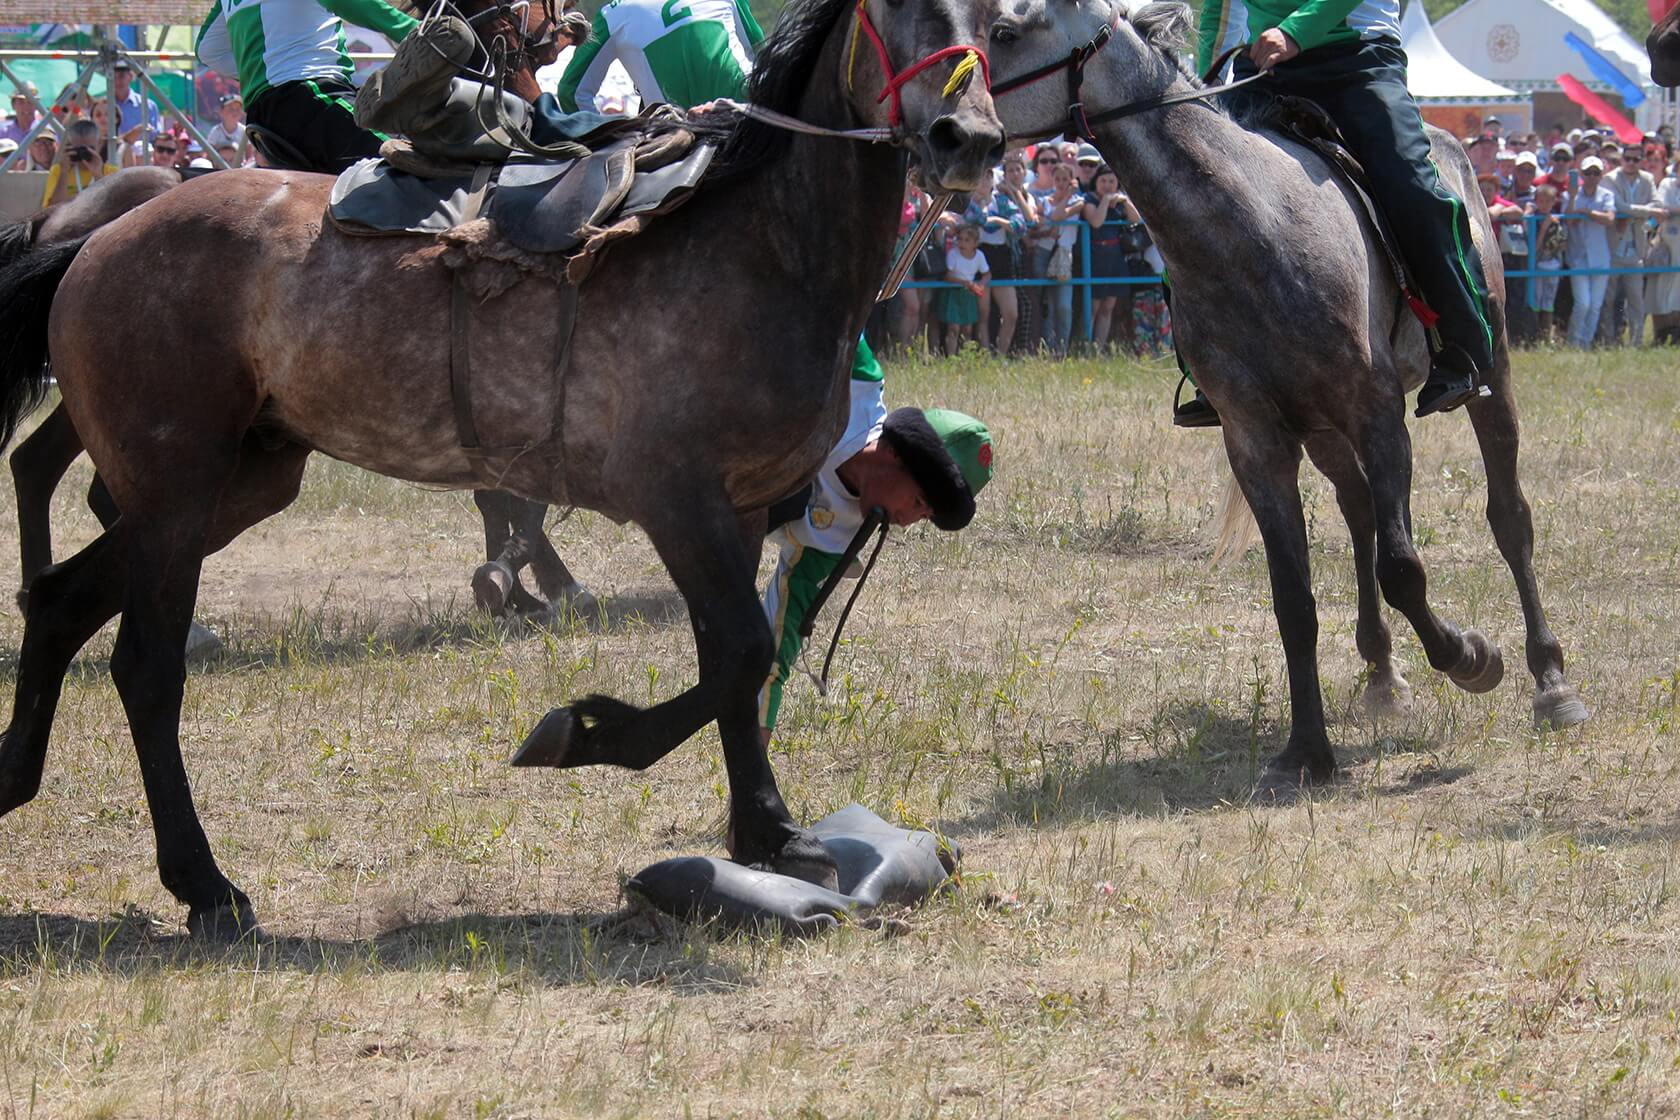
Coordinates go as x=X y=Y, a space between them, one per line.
x=959 y=307
x=1551 y=236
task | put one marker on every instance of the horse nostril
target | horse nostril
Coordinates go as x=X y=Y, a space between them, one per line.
x=947 y=135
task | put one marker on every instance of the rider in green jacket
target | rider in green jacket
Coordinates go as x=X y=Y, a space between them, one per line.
x=1345 y=56
x=294 y=70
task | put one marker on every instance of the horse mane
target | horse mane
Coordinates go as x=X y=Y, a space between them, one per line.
x=1166 y=27
x=786 y=60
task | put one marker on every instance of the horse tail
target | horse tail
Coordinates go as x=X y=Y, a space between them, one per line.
x=15 y=239
x=1235 y=528
x=27 y=285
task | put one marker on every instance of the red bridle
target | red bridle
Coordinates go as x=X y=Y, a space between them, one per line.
x=972 y=57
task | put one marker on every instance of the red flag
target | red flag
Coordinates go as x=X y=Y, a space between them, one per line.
x=1626 y=131
x=1658 y=9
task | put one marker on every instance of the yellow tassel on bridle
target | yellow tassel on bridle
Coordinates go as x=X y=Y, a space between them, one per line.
x=851 y=57
x=963 y=70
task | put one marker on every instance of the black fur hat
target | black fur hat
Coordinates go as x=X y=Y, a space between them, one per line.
x=924 y=455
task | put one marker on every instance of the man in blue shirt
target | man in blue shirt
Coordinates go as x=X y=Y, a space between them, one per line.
x=135 y=114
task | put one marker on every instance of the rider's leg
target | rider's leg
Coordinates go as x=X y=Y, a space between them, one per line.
x=316 y=117
x=1363 y=88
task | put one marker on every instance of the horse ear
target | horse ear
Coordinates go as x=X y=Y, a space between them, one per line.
x=1165 y=25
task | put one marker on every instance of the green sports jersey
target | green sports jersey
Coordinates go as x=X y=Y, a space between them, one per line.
x=677 y=52
x=1224 y=24
x=275 y=41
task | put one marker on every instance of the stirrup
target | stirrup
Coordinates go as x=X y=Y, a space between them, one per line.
x=1199 y=413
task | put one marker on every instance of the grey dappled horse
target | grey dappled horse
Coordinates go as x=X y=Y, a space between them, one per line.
x=1288 y=314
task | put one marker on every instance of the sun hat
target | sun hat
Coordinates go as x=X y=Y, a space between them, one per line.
x=1592 y=163
x=7 y=146
x=1088 y=154
x=1562 y=149
x=1528 y=159
x=26 y=89
x=949 y=456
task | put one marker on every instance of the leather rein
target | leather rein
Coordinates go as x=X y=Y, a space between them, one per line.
x=1080 y=123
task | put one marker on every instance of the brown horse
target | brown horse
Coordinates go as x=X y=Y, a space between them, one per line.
x=1663 y=45
x=513 y=526
x=706 y=378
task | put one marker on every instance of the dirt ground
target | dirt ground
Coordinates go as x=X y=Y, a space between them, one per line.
x=1477 y=920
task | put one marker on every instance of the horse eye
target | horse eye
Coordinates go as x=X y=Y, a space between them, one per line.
x=1003 y=33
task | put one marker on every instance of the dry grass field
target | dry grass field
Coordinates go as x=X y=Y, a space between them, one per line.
x=1480 y=920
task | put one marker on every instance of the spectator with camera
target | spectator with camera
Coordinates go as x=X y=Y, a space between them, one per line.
x=78 y=165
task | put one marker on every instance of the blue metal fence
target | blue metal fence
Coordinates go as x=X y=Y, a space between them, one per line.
x=1084 y=283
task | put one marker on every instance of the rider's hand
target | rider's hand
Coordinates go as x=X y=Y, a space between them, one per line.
x=1271 y=48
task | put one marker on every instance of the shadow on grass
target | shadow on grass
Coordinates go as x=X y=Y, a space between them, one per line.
x=319 y=636
x=1191 y=757
x=628 y=947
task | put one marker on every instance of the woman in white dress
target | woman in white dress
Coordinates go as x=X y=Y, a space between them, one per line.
x=1662 y=290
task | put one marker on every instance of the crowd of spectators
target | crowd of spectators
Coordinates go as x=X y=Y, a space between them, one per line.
x=1584 y=200
x=103 y=134
x=1025 y=229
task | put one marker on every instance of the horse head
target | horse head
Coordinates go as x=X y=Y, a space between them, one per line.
x=1052 y=57
x=919 y=67
x=523 y=36
x=1663 y=45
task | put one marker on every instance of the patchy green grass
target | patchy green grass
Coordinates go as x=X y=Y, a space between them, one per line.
x=1478 y=921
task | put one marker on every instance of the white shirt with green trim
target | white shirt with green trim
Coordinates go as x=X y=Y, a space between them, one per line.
x=677 y=52
x=275 y=41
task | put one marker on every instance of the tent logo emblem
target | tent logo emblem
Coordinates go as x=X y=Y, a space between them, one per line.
x=1503 y=42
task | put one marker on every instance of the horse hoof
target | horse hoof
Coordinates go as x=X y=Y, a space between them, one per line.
x=1387 y=696
x=549 y=742
x=202 y=643
x=1482 y=668
x=580 y=601
x=1284 y=780
x=492 y=584
x=1558 y=708
x=804 y=857
x=227 y=924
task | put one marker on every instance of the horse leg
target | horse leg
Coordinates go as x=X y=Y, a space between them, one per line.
x=165 y=545
x=38 y=463
x=554 y=579
x=68 y=603
x=1468 y=658
x=493 y=581
x=1267 y=463
x=1386 y=691
x=712 y=556
x=525 y=522
x=1495 y=420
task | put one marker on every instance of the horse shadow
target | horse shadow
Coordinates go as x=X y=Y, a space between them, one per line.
x=633 y=946
x=1205 y=758
x=321 y=636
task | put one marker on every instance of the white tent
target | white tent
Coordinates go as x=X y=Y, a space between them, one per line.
x=1519 y=43
x=1434 y=75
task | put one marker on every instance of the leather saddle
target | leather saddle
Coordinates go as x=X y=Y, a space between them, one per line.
x=540 y=206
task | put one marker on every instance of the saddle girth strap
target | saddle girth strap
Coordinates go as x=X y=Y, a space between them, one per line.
x=460 y=378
